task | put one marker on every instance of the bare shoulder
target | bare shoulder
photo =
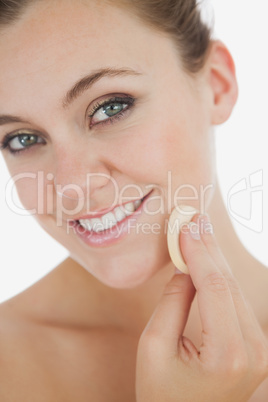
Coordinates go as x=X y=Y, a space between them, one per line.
x=19 y=356
x=261 y=394
x=28 y=345
x=47 y=352
x=31 y=358
x=258 y=297
x=42 y=364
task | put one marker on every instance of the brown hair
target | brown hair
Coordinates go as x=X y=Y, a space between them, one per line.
x=181 y=19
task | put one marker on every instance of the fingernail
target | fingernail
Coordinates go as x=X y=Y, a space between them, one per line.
x=178 y=272
x=204 y=215
x=205 y=224
x=194 y=231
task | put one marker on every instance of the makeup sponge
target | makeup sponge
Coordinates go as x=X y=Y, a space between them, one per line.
x=178 y=217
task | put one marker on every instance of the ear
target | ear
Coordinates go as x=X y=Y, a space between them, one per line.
x=222 y=81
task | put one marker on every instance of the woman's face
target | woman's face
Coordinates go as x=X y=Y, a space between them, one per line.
x=140 y=125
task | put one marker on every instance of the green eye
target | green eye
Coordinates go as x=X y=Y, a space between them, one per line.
x=22 y=142
x=111 y=109
x=27 y=140
x=107 y=111
x=114 y=108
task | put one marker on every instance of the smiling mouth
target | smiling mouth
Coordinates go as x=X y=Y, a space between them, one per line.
x=106 y=222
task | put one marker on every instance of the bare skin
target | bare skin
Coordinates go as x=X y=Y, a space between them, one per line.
x=81 y=341
x=74 y=335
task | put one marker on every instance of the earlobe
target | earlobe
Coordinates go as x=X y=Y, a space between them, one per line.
x=223 y=83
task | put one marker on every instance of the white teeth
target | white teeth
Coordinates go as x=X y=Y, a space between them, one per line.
x=129 y=208
x=111 y=218
x=97 y=225
x=137 y=204
x=83 y=224
x=119 y=214
x=86 y=224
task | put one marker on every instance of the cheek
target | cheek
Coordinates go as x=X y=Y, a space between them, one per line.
x=151 y=150
x=174 y=154
x=35 y=192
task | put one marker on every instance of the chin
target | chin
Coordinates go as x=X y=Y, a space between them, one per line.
x=123 y=276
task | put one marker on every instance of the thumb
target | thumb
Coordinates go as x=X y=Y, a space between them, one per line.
x=170 y=316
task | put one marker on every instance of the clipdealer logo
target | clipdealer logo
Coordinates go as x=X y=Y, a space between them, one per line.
x=247 y=195
x=244 y=199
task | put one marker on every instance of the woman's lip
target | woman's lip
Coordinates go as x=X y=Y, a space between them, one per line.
x=103 y=212
x=109 y=236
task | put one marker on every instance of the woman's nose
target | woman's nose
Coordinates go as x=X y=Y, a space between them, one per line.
x=84 y=186
x=79 y=178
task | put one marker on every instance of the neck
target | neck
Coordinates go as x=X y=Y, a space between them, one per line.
x=229 y=243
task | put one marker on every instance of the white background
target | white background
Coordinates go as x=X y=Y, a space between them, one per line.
x=28 y=253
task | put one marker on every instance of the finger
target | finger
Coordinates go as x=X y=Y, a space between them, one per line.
x=217 y=311
x=170 y=316
x=249 y=324
x=209 y=240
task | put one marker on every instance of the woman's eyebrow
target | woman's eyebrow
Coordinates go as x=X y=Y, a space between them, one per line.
x=7 y=119
x=86 y=82
x=79 y=87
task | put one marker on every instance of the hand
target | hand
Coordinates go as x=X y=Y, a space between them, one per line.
x=233 y=358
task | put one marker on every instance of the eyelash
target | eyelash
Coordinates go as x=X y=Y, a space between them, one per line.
x=127 y=100
x=9 y=137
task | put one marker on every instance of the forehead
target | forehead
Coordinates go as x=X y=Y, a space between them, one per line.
x=54 y=28
x=66 y=39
